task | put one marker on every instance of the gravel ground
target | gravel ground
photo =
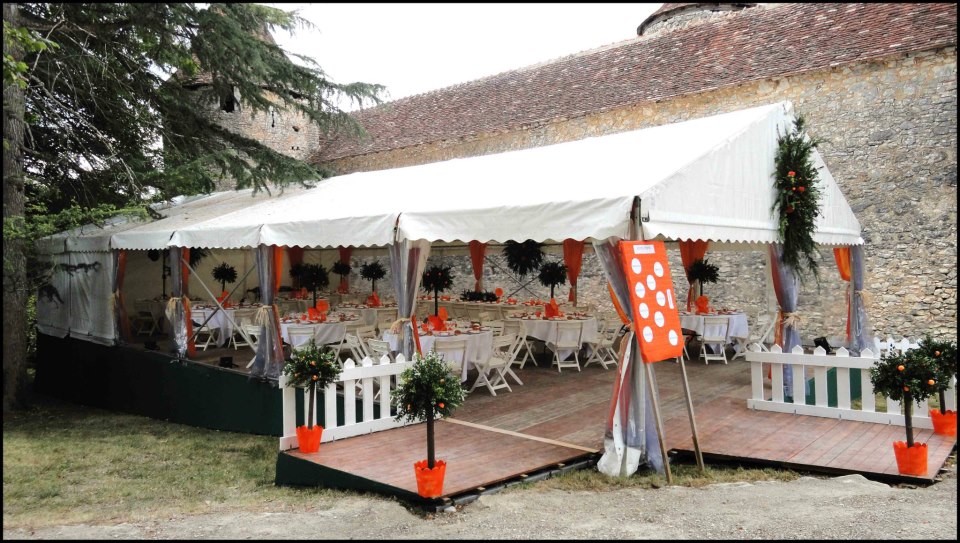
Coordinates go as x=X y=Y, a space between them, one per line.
x=848 y=507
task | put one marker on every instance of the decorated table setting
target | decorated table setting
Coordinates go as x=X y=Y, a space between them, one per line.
x=737 y=324
x=539 y=325
x=479 y=341
x=327 y=328
x=222 y=319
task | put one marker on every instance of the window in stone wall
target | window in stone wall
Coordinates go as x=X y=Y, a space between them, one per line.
x=228 y=102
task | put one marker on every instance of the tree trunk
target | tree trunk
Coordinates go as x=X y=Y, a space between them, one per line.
x=15 y=287
x=551 y=291
x=313 y=395
x=907 y=420
x=436 y=306
x=943 y=402
x=431 y=453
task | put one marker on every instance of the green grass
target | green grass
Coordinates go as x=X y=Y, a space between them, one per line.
x=683 y=475
x=64 y=464
x=68 y=464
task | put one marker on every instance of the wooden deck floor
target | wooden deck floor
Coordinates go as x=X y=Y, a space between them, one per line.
x=563 y=416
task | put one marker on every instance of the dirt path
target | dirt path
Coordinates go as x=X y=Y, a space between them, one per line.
x=848 y=507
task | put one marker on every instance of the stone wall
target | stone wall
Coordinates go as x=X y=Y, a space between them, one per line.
x=286 y=132
x=891 y=127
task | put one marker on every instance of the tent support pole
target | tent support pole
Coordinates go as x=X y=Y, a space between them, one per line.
x=636 y=234
x=214 y=312
x=219 y=306
x=693 y=422
x=515 y=278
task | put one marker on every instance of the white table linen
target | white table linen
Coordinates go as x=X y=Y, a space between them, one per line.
x=546 y=331
x=737 y=325
x=479 y=346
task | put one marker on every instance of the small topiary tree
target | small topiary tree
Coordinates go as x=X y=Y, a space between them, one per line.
x=373 y=271
x=552 y=274
x=906 y=377
x=523 y=258
x=295 y=272
x=437 y=278
x=314 y=277
x=428 y=390
x=702 y=272
x=311 y=367
x=225 y=273
x=943 y=354
x=342 y=269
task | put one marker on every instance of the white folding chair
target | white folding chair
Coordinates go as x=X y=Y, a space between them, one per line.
x=518 y=328
x=760 y=330
x=299 y=335
x=495 y=326
x=714 y=333
x=473 y=313
x=378 y=347
x=602 y=348
x=454 y=352
x=385 y=318
x=242 y=317
x=568 y=337
x=143 y=319
x=365 y=332
x=495 y=366
x=204 y=333
x=355 y=347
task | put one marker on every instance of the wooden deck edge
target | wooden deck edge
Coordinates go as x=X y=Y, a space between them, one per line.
x=294 y=471
x=687 y=455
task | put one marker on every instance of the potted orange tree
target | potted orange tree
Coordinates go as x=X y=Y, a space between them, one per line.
x=944 y=356
x=311 y=367
x=906 y=377
x=428 y=390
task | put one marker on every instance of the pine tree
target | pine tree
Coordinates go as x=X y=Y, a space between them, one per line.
x=111 y=127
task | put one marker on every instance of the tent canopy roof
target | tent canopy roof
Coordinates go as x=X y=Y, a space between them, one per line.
x=709 y=178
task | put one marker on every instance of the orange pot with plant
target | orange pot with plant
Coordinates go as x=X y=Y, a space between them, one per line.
x=907 y=377
x=428 y=390
x=312 y=368
x=944 y=356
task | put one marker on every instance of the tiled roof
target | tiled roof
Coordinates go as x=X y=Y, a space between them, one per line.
x=753 y=44
x=665 y=9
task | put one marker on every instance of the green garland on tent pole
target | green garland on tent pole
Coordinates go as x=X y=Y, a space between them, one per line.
x=798 y=198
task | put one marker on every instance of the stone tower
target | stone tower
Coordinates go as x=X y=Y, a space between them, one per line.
x=284 y=131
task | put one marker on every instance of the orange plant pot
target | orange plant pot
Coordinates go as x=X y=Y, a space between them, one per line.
x=430 y=481
x=911 y=461
x=309 y=439
x=945 y=424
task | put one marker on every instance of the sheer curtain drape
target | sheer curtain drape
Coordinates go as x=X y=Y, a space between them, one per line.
x=269 y=359
x=407 y=261
x=630 y=437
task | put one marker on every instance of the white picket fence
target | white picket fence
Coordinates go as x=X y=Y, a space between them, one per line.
x=352 y=377
x=819 y=363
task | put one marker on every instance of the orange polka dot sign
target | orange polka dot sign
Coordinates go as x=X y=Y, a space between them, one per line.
x=652 y=301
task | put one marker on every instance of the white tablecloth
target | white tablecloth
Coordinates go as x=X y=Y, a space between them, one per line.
x=546 y=331
x=324 y=332
x=287 y=306
x=737 y=325
x=479 y=346
x=367 y=314
x=219 y=320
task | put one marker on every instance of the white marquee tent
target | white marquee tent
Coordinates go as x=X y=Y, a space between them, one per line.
x=705 y=179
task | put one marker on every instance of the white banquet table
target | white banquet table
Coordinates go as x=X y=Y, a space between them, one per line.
x=737 y=324
x=323 y=333
x=546 y=331
x=479 y=346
